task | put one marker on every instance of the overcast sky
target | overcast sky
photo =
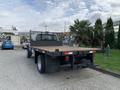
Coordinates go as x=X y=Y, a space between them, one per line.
x=56 y=14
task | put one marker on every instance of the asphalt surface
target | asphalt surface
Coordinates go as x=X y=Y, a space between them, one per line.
x=19 y=73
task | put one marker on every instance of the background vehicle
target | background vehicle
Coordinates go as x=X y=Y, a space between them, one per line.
x=50 y=54
x=7 y=44
x=25 y=44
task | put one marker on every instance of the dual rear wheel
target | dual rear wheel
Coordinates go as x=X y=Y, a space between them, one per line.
x=41 y=64
x=47 y=64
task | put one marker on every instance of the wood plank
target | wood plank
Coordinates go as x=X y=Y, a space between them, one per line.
x=64 y=48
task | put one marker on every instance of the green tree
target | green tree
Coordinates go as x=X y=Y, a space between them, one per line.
x=80 y=31
x=109 y=33
x=118 y=38
x=98 y=32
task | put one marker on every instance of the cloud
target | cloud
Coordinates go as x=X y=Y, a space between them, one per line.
x=110 y=8
x=56 y=14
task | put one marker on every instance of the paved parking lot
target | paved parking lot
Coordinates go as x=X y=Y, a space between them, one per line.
x=19 y=73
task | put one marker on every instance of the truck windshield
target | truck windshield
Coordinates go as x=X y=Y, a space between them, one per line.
x=47 y=37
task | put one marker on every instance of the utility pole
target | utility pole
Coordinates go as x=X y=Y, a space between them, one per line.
x=45 y=27
x=64 y=26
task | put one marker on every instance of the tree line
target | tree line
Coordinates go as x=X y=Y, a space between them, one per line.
x=99 y=35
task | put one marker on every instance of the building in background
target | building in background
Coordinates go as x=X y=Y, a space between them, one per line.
x=116 y=27
x=11 y=34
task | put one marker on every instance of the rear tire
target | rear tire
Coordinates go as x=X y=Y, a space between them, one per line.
x=85 y=63
x=41 y=64
x=52 y=64
x=12 y=48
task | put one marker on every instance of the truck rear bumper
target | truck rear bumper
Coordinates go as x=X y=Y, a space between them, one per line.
x=55 y=60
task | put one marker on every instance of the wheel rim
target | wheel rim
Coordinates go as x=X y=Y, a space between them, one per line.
x=39 y=63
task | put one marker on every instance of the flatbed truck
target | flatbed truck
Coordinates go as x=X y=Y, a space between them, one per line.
x=50 y=54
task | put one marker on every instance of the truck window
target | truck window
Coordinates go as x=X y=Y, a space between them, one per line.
x=49 y=37
x=45 y=37
x=38 y=37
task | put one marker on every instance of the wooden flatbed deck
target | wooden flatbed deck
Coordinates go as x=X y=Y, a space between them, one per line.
x=64 y=48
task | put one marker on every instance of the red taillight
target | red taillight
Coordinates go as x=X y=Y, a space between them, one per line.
x=68 y=53
x=66 y=58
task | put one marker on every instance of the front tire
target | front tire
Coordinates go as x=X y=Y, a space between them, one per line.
x=41 y=64
x=2 y=47
x=29 y=53
x=12 y=48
